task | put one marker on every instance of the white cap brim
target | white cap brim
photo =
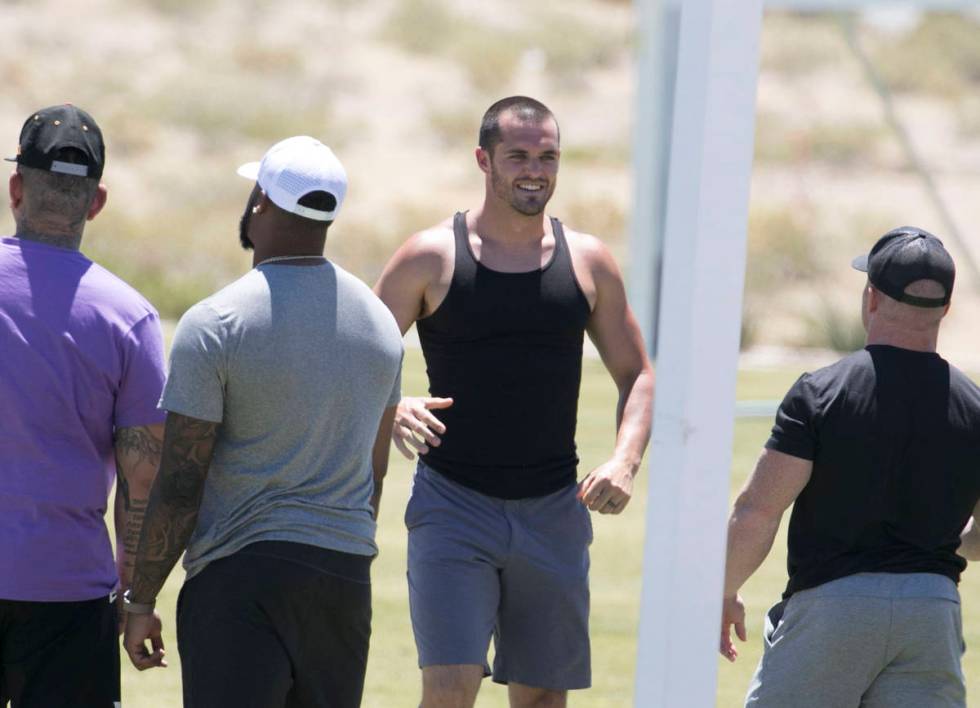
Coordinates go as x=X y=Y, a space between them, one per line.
x=250 y=170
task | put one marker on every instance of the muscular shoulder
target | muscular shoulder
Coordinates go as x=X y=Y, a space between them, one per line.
x=594 y=265
x=418 y=275
x=592 y=253
x=427 y=251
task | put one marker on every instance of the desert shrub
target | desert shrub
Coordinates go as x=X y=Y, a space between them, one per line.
x=842 y=144
x=599 y=215
x=455 y=127
x=795 y=44
x=833 y=327
x=749 y=329
x=221 y=111
x=780 y=249
x=833 y=143
x=597 y=154
x=179 y=8
x=491 y=55
x=941 y=56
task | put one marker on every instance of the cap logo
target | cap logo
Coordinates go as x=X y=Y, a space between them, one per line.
x=291 y=182
x=69 y=168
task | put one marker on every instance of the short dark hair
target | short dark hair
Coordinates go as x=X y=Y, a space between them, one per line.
x=526 y=109
x=64 y=196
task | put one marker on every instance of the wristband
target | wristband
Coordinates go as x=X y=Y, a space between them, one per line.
x=137 y=608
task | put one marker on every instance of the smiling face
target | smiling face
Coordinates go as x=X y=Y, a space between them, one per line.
x=522 y=169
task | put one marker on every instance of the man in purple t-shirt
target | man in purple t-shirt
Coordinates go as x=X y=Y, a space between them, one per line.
x=81 y=371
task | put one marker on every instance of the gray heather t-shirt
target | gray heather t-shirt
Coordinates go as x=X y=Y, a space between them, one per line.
x=297 y=364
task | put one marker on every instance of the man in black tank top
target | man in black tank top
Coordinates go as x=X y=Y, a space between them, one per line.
x=499 y=527
x=880 y=455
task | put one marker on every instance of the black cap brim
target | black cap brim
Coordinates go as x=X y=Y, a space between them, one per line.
x=860 y=263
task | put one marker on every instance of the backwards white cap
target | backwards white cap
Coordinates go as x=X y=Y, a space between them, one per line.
x=294 y=167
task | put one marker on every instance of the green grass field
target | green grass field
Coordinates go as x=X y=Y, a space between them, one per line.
x=393 y=679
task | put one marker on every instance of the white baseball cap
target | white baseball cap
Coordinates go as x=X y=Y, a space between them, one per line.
x=294 y=167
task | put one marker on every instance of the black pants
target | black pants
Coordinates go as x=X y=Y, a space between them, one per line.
x=276 y=624
x=59 y=654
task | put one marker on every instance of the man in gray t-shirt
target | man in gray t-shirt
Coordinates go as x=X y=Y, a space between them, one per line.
x=280 y=400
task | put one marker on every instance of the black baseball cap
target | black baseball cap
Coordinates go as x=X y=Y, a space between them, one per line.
x=57 y=127
x=903 y=256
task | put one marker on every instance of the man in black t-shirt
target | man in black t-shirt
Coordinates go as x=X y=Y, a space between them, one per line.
x=881 y=454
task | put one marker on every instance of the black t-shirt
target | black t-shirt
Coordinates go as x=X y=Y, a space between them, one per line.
x=894 y=436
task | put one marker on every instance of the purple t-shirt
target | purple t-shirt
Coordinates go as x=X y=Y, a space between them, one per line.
x=81 y=354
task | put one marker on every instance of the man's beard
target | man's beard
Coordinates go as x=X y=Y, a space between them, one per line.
x=509 y=194
x=244 y=221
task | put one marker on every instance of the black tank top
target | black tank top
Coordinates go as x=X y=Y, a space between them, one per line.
x=507 y=348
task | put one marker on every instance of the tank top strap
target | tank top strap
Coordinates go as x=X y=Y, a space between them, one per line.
x=465 y=264
x=562 y=252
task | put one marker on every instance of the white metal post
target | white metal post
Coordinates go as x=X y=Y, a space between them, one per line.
x=657 y=29
x=700 y=315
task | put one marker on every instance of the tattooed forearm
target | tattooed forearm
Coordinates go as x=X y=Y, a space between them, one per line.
x=135 y=448
x=175 y=501
x=137 y=461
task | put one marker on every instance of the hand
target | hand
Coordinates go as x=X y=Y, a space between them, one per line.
x=608 y=488
x=732 y=613
x=139 y=628
x=414 y=424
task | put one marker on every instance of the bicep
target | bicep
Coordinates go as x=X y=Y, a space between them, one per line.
x=188 y=444
x=402 y=288
x=612 y=326
x=775 y=483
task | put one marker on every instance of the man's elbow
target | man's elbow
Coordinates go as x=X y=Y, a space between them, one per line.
x=638 y=378
x=749 y=516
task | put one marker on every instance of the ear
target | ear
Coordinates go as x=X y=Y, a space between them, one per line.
x=16 y=189
x=873 y=298
x=483 y=159
x=101 y=195
x=261 y=204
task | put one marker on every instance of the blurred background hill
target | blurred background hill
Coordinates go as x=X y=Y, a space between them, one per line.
x=188 y=89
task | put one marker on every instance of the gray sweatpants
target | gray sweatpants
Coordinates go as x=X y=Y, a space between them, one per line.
x=874 y=640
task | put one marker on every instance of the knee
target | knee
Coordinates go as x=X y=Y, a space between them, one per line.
x=450 y=686
x=537 y=698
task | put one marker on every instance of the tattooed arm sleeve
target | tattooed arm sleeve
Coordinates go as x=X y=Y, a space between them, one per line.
x=175 y=500
x=137 y=461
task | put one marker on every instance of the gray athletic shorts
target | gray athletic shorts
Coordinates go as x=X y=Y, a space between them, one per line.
x=874 y=640
x=516 y=570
